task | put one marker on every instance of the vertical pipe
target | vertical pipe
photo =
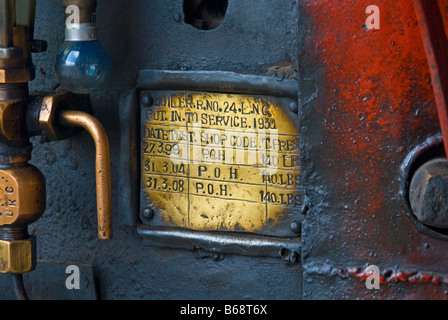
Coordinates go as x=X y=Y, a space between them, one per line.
x=6 y=23
x=32 y=18
x=102 y=166
x=25 y=14
x=19 y=287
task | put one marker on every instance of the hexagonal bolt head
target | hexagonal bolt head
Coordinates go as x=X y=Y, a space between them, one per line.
x=428 y=193
x=18 y=256
x=51 y=105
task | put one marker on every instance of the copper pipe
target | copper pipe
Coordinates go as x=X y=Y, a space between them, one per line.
x=7 y=12
x=102 y=166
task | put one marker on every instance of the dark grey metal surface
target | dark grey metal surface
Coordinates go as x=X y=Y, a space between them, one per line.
x=217 y=81
x=41 y=287
x=256 y=37
x=222 y=242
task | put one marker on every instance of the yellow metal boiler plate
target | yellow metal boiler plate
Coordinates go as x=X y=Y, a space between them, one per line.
x=214 y=161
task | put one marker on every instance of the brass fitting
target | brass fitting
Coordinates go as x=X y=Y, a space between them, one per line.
x=11 y=121
x=50 y=107
x=16 y=75
x=22 y=202
x=22 y=194
x=15 y=62
x=18 y=256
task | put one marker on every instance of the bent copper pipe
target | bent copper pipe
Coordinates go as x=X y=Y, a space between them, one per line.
x=102 y=166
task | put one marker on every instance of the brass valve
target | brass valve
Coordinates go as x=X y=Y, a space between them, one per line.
x=22 y=186
x=22 y=194
x=22 y=202
x=22 y=116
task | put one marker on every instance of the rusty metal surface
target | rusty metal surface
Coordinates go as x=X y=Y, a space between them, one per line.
x=157 y=39
x=428 y=195
x=430 y=19
x=367 y=102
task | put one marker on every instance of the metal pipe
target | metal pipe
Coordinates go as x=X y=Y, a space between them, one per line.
x=102 y=165
x=19 y=287
x=6 y=23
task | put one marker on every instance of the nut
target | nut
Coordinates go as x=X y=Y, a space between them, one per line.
x=50 y=107
x=11 y=52
x=18 y=256
x=22 y=195
x=16 y=75
x=11 y=114
x=428 y=193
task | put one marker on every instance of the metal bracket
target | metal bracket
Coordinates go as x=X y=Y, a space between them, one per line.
x=239 y=243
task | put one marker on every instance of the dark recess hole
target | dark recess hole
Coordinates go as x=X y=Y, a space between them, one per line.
x=388 y=273
x=205 y=14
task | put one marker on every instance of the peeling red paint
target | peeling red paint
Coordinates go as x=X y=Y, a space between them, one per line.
x=396 y=276
x=374 y=103
x=435 y=42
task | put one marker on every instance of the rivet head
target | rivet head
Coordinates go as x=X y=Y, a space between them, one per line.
x=178 y=17
x=148 y=213
x=293 y=107
x=146 y=100
x=296 y=226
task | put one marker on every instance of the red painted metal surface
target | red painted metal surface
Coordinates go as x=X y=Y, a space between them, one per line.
x=367 y=102
x=396 y=276
x=435 y=42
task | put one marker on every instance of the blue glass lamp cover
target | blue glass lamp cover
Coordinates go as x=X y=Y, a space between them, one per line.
x=82 y=66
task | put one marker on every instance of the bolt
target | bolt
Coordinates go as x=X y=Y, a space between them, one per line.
x=146 y=100
x=428 y=193
x=305 y=209
x=293 y=107
x=178 y=17
x=296 y=226
x=148 y=213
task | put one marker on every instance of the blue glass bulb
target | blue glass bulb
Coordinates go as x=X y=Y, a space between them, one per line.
x=82 y=66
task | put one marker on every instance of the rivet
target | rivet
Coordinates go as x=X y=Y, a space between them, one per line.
x=148 y=213
x=296 y=226
x=293 y=107
x=177 y=17
x=146 y=100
